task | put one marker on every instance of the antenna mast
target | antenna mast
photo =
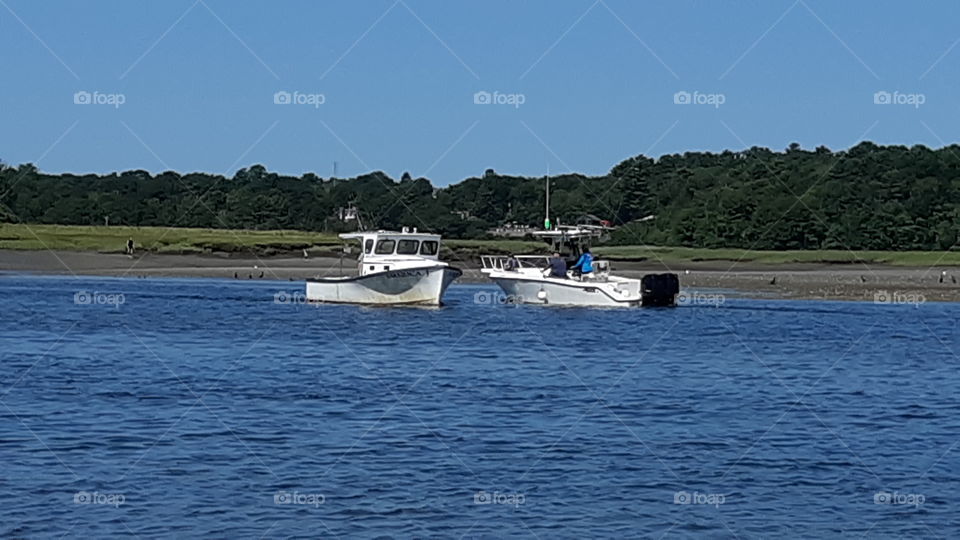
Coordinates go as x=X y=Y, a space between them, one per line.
x=546 y=219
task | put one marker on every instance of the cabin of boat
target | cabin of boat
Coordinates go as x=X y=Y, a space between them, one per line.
x=382 y=251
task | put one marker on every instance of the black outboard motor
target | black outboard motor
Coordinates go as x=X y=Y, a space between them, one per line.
x=659 y=290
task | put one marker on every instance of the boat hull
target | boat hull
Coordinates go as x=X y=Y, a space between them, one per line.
x=409 y=286
x=564 y=293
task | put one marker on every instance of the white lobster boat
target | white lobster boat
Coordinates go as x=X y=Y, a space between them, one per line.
x=393 y=268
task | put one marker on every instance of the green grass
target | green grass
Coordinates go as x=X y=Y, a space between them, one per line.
x=177 y=240
x=157 y=239
x=680 y=254
x=495 y=247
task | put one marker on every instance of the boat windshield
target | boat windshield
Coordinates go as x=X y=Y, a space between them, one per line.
x=385 y=247
x=408 y=247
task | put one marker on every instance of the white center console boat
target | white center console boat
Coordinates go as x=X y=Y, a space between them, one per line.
x=527 y=280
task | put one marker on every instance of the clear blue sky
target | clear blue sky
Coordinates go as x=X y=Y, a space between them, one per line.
x=398 y=80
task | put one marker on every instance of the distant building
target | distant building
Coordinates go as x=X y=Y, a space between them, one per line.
x=511 y=230
x=347 y=213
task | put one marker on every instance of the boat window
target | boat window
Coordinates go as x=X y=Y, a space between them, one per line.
x=407 y=247
x=385 y=247
x=368 y=246
x=429 y=247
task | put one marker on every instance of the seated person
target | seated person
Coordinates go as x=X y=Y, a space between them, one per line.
x=584 y=264
x=558 y=267
x=511 y=263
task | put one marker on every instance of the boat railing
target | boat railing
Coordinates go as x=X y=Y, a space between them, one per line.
x=499 y=262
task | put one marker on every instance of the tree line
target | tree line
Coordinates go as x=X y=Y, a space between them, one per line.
x=866 y=197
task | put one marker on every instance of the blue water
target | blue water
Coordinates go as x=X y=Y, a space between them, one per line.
x=203 y=408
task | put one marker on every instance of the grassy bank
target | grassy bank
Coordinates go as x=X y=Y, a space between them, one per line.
x=184 y=240
x=680 y=254
x=157 y=239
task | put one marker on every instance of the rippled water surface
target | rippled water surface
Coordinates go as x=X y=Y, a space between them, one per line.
x=206 y=408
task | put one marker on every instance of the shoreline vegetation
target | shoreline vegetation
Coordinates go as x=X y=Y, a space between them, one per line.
x=290 y=256
x=279 y=243
x=866 y=198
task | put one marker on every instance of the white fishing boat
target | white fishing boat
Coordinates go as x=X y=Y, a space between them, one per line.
x=526 y=279
x=393 y=268
x=529 y=280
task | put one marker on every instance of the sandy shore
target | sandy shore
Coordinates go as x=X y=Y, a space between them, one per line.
x=801 y=281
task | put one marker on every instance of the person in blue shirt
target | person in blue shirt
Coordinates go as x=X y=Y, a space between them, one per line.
x=584 y=264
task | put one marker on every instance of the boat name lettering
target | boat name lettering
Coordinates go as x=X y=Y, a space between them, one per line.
x=407 y=273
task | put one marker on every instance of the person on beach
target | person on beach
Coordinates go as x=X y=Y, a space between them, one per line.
x=584 y=264
x=558 y=267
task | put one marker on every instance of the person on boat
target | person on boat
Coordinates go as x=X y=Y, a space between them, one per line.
x=511 y=263
x=558 y=267
x=584 y=264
